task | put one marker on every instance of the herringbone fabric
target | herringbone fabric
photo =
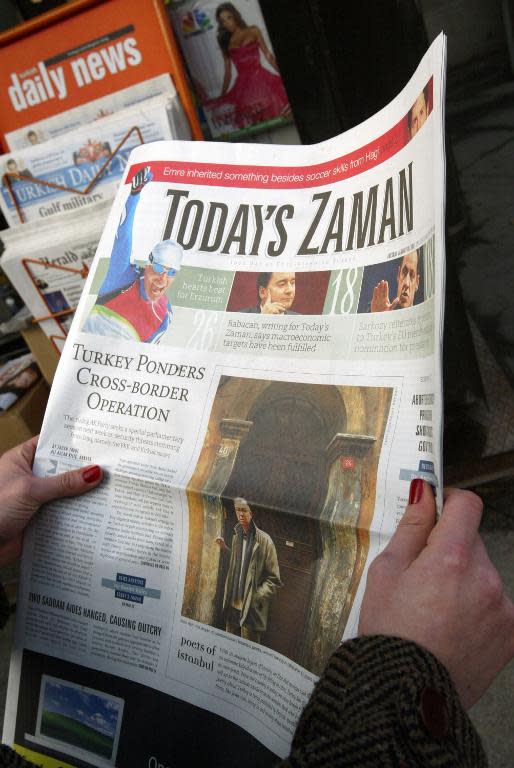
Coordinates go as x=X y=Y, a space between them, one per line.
x=365 y=712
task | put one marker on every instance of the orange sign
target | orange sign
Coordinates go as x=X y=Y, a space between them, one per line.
x=83 y=51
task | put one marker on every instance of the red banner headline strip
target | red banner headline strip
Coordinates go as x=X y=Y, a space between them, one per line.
x=280 y=177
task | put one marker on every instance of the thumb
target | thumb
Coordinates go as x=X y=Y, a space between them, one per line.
x=394 y=303
x=72 y=483
x=410 y=538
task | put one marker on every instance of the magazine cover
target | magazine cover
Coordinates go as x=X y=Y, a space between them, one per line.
x=232 y=65
x=85 y=53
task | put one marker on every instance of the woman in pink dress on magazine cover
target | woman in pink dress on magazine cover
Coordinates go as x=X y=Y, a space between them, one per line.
x=257 y=94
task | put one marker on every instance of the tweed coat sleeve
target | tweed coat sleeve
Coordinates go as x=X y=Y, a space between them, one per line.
x=386 y=702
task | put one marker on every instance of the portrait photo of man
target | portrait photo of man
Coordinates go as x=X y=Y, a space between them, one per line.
x=32 y=138
x=407 y=285
x=419 y=112
x=12 y=166
x=253 y=576
x=279 y=293
x=276 y=293
x=132 y=302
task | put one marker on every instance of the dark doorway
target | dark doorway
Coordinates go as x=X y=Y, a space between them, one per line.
x=281 y=470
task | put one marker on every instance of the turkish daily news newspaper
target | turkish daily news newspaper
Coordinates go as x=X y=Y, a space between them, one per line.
x=150 y=631
x=73 y=159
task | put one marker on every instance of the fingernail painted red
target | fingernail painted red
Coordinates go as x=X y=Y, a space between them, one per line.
x=415 y=491
x=91 y=474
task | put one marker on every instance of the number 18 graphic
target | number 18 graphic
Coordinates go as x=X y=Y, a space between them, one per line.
x=343 y=292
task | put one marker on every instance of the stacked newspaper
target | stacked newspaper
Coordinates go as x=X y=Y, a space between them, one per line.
x=258 y=429
x=73 y=119
x=71 y=155
x=48 y=265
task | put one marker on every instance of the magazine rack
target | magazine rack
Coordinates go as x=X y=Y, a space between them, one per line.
x=83 y=272
x=74 y=31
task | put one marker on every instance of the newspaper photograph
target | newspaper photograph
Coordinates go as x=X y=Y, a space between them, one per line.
x=258 y=430
x=74 y=159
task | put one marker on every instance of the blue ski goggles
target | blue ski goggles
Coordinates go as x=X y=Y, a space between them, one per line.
x=160 y=269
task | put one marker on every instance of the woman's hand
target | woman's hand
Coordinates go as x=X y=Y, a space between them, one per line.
x=21 y=493
x=435 y=585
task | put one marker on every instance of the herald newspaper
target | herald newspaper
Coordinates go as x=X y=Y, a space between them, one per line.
x=256 y=364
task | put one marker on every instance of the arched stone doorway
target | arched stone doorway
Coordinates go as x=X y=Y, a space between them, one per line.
x=305 y=456
x=281 y=469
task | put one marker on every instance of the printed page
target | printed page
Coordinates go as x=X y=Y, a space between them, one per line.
x=255 y=362
x=73 y=161
x=96 y=109
x=48 y=265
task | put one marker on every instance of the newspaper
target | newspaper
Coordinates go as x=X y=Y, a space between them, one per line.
x=73 y=160
x=48 y=265
x=72 y=119
x=259 y=430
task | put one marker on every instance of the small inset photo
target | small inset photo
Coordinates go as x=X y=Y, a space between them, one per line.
x=279 y=293
x=395 y=284
x=56 y=301
x=13 y=166
x=91 y=152
x=420 y=110
x=78 y=721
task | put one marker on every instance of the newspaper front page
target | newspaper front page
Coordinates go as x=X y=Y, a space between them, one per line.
x=74 y=159
x=255 y=361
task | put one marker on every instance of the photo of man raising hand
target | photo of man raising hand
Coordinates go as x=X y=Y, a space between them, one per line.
x=408 y=278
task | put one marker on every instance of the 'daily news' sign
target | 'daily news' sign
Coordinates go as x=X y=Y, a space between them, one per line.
x=83 y=52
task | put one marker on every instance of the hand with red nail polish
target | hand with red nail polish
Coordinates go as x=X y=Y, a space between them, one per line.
x=22 y=493
x=435 y=585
